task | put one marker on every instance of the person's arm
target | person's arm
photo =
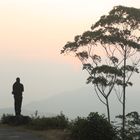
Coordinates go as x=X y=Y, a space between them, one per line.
x=13 y=90
x=22 y=88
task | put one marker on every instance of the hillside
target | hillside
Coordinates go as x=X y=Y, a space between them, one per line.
x=74 y=103
x=79 y=102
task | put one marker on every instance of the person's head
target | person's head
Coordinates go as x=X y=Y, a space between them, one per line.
x=18 y=79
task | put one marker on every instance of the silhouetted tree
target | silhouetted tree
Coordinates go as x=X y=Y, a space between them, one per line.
x=109 y=52
x=102 y=68
x=120 y=30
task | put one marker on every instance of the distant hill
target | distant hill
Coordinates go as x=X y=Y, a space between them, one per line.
x=79 y=102
x=74 y=103
x=6 y=111
x=11 y=111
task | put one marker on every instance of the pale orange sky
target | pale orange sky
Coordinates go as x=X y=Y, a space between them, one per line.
x=32 y=33
x=37 y=29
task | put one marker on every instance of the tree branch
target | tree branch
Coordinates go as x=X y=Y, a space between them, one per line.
x=99 y=96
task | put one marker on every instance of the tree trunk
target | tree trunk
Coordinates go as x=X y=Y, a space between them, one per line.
x=124 y=95
x=123 y=121
x=108 y=110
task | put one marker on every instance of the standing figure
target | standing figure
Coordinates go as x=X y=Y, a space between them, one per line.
x=18 y=88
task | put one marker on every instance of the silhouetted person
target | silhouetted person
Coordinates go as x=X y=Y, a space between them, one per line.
x=18 y=88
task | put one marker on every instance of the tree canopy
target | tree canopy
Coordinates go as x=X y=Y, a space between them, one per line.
x=110 y=52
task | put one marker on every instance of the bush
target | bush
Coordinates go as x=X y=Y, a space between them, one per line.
x=132 y=126
x=94 y=127
x=57 y=122
x=15 y=120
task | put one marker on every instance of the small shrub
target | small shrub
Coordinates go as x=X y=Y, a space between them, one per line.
x=94 y=127
x=15 y=120
x=78 y=128
x=57 y=122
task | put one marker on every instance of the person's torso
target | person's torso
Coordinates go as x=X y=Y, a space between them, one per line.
x=17 y=88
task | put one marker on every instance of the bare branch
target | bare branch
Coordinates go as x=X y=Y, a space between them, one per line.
x=111 y=88
x=100 y=91
x=99 y=96
x=119 y=95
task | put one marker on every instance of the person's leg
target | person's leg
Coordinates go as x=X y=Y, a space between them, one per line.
x=19 y=105
x=16 y=105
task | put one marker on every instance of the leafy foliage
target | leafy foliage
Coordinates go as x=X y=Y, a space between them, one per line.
x=43 y=123
x=95 y=126
x=132 y=131
x=120 y=14
x=108 y=52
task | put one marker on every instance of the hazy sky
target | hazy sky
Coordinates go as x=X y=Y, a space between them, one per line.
x=32 y=33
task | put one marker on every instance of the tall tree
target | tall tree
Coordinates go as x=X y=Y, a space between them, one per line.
x=109 y=52
x=121 y=29
x=101 y=66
